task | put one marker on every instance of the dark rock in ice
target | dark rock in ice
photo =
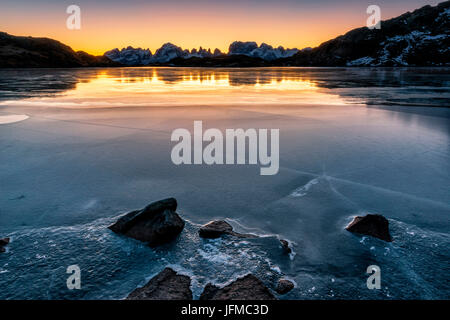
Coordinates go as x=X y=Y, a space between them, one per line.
x=4 y=241
x=285 y=246
x=246 y=288
x=166 y=285
x=156 y=224
x=217 y=228
x=374 y=225
x=284 y=286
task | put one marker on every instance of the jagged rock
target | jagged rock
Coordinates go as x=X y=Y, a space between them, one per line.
x=246 y=288
x=217 y=228
x=166 y=285
x=374 y=225
x=284 y=286
x=285 y=246
x=156 y=224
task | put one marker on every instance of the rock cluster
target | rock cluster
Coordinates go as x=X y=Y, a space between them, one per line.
x=158 y=223
x=168 y=285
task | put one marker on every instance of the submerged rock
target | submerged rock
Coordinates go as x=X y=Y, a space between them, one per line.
x=166 y=285
x=374 y=225
x=284 y=286
x=3 y=242
x=156 y=224
x=246 y=288
x=217 y=228
x=285 y=246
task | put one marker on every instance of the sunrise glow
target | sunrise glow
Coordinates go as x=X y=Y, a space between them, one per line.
x=191 y=24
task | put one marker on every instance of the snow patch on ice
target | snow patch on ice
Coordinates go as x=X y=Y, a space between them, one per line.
x=12 y=118
x=303 y=190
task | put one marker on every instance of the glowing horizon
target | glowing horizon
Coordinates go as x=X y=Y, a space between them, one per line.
x=211 y=24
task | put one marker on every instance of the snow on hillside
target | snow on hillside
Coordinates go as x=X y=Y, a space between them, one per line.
x=396 y=49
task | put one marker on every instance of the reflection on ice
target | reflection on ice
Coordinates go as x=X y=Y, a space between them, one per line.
x=383 y=86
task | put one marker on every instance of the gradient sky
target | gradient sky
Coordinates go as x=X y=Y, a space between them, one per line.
x=190 y=24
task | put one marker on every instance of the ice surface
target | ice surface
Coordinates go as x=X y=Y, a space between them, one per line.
x=349 y=144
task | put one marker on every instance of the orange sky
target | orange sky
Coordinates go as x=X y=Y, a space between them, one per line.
x=189 y=24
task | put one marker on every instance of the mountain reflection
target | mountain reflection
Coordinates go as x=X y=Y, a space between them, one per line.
x=371 y=86
x=232 y=77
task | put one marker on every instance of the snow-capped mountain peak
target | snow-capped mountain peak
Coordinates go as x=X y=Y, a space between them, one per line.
x=130 y=56
x=264 y=51
x=169 y=51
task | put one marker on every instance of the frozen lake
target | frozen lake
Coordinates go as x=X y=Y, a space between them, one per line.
x=91 y=144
